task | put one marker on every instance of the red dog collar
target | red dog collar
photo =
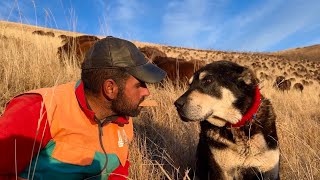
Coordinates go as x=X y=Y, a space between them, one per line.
x=251 y=113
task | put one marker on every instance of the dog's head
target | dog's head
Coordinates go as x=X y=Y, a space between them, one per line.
x=220 y=92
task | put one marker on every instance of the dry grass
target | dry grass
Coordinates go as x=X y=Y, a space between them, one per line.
x=305 y=53
x=164 y=146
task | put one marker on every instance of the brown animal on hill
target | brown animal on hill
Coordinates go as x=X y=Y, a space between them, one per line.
x=178 y=70
x=306 y=83
x=42 y=33
x=76 y=47
x=51 y=34
x=264 y=76
x=65 y=38
x=62 y=36
x=152 y=52
x=282 y=84
x=39 y=32
x=298 y=87
x=279 y=79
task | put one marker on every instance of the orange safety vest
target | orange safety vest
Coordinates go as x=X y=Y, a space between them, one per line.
x=75 y=135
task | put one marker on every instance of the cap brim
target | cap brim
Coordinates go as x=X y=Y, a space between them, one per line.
x=148 y=73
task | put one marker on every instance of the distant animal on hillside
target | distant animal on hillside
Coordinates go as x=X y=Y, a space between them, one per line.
x=264 y=76
x=298 y=87
x=178 y=70
x=76 y=47
x=49 y=33
x=279 y=79
x=282 y=84
x=39 y=32
x=152 y=52
x=62 y=36
x=42 y=33
x=65 y=38
x=238 y=138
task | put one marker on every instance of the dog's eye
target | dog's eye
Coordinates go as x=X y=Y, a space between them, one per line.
x=207 y=81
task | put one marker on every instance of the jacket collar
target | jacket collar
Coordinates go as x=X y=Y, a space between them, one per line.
x=79 y=91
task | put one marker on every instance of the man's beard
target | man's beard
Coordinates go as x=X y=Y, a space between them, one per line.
x=123 y=106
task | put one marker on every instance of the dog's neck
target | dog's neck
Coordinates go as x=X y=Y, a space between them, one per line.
x=233 y=117
x=252 y=111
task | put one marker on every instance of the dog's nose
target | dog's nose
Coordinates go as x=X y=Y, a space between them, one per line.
x=179 y=103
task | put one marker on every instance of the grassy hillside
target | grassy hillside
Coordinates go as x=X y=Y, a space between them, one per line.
x=311 y=53
x=164 y=146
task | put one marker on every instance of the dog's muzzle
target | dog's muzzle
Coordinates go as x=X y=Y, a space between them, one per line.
x=179 y=103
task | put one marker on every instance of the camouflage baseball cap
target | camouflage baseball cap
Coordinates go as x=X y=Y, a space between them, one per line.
x=111 y=52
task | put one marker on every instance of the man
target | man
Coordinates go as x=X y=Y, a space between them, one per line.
x=79 y=130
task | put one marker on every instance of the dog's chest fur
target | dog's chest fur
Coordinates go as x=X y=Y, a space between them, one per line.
x=253 y=145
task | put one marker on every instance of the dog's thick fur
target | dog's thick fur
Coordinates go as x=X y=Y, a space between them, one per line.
x=218 y=96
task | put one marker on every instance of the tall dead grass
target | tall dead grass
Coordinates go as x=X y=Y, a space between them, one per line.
x=28 y=62
x=164 y=146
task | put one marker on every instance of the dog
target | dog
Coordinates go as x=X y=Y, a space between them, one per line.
x=238 y=138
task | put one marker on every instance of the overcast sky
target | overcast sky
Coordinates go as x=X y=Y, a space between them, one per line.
x=230 y=25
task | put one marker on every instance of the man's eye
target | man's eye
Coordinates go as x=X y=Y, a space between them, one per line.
x=141 y=84
x=138 y=85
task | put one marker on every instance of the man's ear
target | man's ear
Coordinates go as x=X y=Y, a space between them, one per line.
x=248 y=77
x=110 y=89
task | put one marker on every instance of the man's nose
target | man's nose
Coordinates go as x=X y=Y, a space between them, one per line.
x=145 y=92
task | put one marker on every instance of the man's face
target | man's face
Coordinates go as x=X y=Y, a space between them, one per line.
x=129 y=98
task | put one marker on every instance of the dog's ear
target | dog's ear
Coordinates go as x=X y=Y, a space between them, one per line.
x=248 y=77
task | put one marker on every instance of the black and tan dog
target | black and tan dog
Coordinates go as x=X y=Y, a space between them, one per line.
x=238 y=138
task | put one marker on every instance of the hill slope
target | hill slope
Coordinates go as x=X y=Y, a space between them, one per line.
x=311 y=53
